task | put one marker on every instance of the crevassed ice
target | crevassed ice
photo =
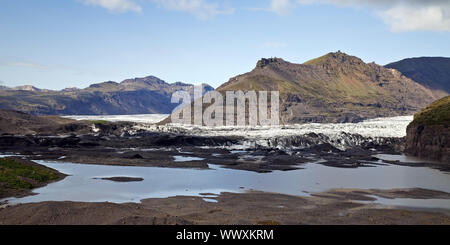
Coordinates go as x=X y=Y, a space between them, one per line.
x=378 y=127
x=138 y=118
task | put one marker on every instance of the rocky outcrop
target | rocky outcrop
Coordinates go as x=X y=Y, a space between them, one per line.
x=428 y=136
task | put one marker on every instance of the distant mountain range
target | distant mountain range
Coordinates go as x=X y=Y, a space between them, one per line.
x=334 y=88
x=24 y=88
x=132 y=96
x=431 y=72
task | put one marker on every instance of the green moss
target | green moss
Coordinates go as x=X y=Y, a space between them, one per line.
x=437 y=113
x=17 y=175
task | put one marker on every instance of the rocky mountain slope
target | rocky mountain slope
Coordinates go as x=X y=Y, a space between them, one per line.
x=428 y=135
x=431 y=72
x=334 y=88
x=132 y=96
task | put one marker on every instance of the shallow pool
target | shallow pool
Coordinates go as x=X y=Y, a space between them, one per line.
x=83 y=183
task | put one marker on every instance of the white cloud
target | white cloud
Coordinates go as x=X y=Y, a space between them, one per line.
x=402 y=15
x=120 y=6
x=405 y=18
x=280 y=7
x=202 y=9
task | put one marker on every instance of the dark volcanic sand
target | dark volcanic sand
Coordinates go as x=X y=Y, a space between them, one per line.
x=159 y=149
x=154 y=151
x=334 y=207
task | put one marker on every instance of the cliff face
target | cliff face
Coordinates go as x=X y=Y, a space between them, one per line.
x=428 y=136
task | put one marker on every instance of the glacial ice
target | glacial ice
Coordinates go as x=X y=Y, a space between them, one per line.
x=340 y=135
x=138 y=118
x=379 y=127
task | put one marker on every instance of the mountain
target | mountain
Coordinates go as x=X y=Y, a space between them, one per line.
x=23 y=87
x=431 y=72
x=335 y=87
x=132 y=96
x=428 y=135
x=27 y=88
x=71 y=89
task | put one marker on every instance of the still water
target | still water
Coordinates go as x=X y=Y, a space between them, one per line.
x=84 y=183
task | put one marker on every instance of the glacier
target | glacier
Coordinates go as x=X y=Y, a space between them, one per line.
x=378 y=127
x=138 y=118
x=378 y=131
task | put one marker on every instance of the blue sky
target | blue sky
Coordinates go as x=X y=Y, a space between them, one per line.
x=64 y=43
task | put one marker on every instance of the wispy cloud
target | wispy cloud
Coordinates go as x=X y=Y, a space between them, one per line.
x=274 y=45
x=120 y=6
x=202 y=9
x=402 y=15
x=22 y=64
x=281 y=7
x=399 y=15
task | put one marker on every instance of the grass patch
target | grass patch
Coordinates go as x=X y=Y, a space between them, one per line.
x=17 y=175
x=437 y=113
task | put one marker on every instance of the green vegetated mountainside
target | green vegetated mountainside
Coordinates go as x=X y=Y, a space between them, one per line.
x=335 y=87
x=131 y=96
x=432 y=72
x=428 y=135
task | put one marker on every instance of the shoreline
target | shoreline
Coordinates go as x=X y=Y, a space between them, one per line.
x=334 y=206
x=117 y=146
x=23 y=192
x=338 y=206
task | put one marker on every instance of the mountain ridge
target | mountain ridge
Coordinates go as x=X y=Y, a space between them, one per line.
x=131 y=96
x=432 y=72
x=335 y=87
